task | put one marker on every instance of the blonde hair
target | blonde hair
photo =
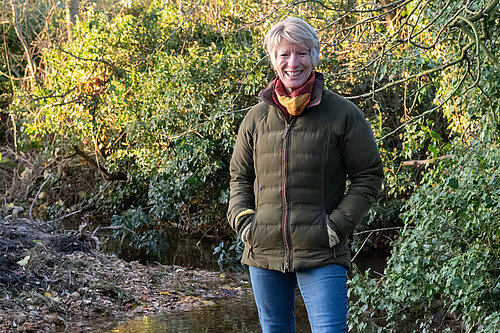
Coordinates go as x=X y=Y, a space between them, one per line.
x=296 y=31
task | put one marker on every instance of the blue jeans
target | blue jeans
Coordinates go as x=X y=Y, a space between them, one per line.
x=323 y=290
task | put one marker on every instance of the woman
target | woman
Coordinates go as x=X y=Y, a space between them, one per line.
x=294 y=151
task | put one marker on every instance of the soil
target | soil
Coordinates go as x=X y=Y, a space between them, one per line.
x=55 y=282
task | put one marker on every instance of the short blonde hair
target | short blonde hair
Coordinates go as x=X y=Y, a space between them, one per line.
x=296 y=31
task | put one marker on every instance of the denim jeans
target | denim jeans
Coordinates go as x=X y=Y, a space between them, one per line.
x=323 y=290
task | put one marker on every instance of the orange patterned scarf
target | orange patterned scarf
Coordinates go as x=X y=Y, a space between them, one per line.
x=297 y=101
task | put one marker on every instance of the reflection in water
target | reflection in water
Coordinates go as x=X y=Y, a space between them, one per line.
x=231 y=316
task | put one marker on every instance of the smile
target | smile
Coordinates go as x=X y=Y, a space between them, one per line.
x=294 y=73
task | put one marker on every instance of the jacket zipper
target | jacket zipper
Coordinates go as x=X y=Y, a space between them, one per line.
x=286 y=229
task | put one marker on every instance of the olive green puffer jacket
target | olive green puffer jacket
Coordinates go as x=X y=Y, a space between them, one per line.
x=288 y=180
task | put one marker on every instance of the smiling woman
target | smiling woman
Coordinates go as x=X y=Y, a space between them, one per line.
x=293 y=65
x=292 y=61
x=289 y=167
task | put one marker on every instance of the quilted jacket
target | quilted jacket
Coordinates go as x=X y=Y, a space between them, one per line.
x=288 y=181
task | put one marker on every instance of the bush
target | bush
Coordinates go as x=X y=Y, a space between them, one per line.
x=139 y=231
x=445 y=263
x=158 y=109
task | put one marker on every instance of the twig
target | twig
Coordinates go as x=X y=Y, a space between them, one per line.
x=194 y=129
x=112 y=227
x=427 y=161
x=251 y=24
x=108 y=176
x=19 y=34
x=60 y=218
x=159 y=46
x=36 y=197
x=381 y=229
x=362 y=245
x=102 y=61
x=430 y=110
x=371 y=233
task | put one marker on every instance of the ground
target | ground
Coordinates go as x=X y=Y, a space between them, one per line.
x=57 y=282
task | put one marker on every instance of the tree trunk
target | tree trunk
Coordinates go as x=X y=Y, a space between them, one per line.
x=390 y=9
x=71 y=15
x=19 y=33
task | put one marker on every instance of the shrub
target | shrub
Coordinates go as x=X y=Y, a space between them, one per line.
x=445 y=263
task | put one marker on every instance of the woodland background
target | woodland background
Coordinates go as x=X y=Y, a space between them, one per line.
x=120 y=116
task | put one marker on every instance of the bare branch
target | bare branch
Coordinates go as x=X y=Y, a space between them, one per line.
x=105 y=62
x=160 y=46
x=426 y=112
x=377 y=230
x=108 y=176
x=195 y=128
x=423 y=162
x=36 y=197
x=17 y=28
x=474 y=35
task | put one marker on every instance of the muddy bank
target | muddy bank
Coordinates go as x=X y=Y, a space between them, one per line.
x=57 y=282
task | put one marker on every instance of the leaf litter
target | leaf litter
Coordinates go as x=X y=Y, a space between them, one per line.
x=56 y=282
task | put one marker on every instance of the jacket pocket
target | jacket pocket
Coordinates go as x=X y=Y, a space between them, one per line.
x=341 y=248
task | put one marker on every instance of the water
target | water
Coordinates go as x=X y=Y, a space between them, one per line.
x=233 y=315
x=230 y=316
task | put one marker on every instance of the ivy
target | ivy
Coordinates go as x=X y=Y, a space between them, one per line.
x=443 y=264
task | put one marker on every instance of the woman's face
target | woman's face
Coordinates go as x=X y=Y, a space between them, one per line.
x=293 y=64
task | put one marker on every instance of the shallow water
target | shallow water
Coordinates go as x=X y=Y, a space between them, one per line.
x=232 y=315
x=228 y=316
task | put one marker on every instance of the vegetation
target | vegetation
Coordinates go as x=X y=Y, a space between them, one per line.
x=125 y=113
x=443 y=264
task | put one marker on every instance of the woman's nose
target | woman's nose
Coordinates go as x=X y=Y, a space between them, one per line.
x=293 y=60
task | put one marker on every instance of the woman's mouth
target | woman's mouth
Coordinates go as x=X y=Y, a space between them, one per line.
x=293 y=74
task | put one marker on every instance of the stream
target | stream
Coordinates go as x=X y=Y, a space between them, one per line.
x=231 y=315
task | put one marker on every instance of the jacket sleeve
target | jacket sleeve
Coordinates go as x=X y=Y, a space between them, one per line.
x=242 y=198
x=364 y=169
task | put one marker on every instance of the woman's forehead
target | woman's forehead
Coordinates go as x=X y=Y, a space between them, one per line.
x=285 y=44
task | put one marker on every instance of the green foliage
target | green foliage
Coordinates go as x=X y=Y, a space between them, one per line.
x=443 y=263
x=157 y=104
x=139 y=231
x=153 y=92
x=229 y=254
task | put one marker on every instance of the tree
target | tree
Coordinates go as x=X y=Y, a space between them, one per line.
x=150 y=96
x=71 y=15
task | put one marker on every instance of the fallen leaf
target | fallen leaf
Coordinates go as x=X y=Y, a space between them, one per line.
x=188 y=299
x=23 y=262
